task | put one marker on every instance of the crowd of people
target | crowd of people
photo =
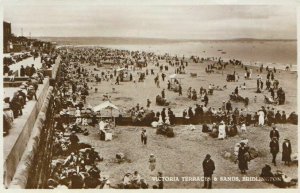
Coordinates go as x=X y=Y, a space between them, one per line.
x=13 y=106
x=75 y=163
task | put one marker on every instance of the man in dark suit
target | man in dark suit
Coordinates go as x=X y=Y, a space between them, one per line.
x=274 y=133
x=208 y=169
x=274 y=149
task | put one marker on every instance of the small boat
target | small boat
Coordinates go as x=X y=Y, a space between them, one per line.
x=220 y=50
x=223 y=52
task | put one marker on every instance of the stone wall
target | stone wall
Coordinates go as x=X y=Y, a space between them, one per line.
x=22 y=172
x=13 y=158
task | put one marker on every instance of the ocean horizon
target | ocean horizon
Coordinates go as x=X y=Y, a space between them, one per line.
x=277 y=52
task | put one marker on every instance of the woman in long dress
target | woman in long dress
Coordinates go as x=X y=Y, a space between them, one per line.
x=286 y=152
x=160 y=121
x=242 y=158
x=261 y=118
x=222 y=131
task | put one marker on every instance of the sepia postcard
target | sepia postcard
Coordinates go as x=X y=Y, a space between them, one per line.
x=150 y=95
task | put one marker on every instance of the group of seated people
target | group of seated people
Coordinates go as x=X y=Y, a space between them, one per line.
x=133 y=181
x=222 y=130
x=209 y=115
x=78 y=168
x=278 y=178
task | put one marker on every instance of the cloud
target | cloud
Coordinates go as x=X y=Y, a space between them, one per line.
x=189 y=22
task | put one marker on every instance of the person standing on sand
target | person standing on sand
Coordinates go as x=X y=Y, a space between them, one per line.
x=286 y=152
x=208 y=169
x=152 y=162
x=169 y=85
x=274 y=149
x=163 y=95
x=274 y=133
x=160 y=181
x=243 y=162
x=261 y=85
x=180 y=90
x=148 y=103
x=261 y=118
x=144 y=137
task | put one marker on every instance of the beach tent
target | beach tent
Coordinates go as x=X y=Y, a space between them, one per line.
x=105 y=105
x=173 y=76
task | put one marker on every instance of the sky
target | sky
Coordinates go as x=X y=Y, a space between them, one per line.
x=72 y=18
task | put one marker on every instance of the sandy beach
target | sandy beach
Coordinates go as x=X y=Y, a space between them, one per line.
x=182 y=156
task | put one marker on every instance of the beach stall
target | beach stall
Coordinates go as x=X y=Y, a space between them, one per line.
x=107 y=123
x=175 y=80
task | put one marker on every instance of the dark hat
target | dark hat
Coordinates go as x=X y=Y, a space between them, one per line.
x=207 y=156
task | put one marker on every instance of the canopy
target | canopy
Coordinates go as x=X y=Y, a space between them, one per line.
x=105 y=105
x=175 y=76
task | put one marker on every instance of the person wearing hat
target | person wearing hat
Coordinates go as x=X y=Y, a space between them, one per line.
x=208 y=169
x=144 y=137
x=74 y=141
x=228 y=106
x=16 y=105
x=94 y=171
x=274 y=133
x=160 y=180
x=286 y=152
x=136 y=180
x=242 y=158
x=32 y=70
x=22 y=71
x=23 y=95
x=274 y=149
x=93 y=156
x=152 y=161
x=31 y=93
x=261 y=117
x=222 y=130
x=8 y=118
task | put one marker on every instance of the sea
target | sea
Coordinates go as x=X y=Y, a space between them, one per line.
x=272 y=53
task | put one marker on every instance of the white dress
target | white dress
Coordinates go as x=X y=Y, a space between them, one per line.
x=243 y=127
x=77 y=113
x=261 y=118
x=160 y=121
x=167 y=120
x=222 y=132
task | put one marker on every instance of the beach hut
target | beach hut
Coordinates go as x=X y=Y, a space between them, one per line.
x=106 y=129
